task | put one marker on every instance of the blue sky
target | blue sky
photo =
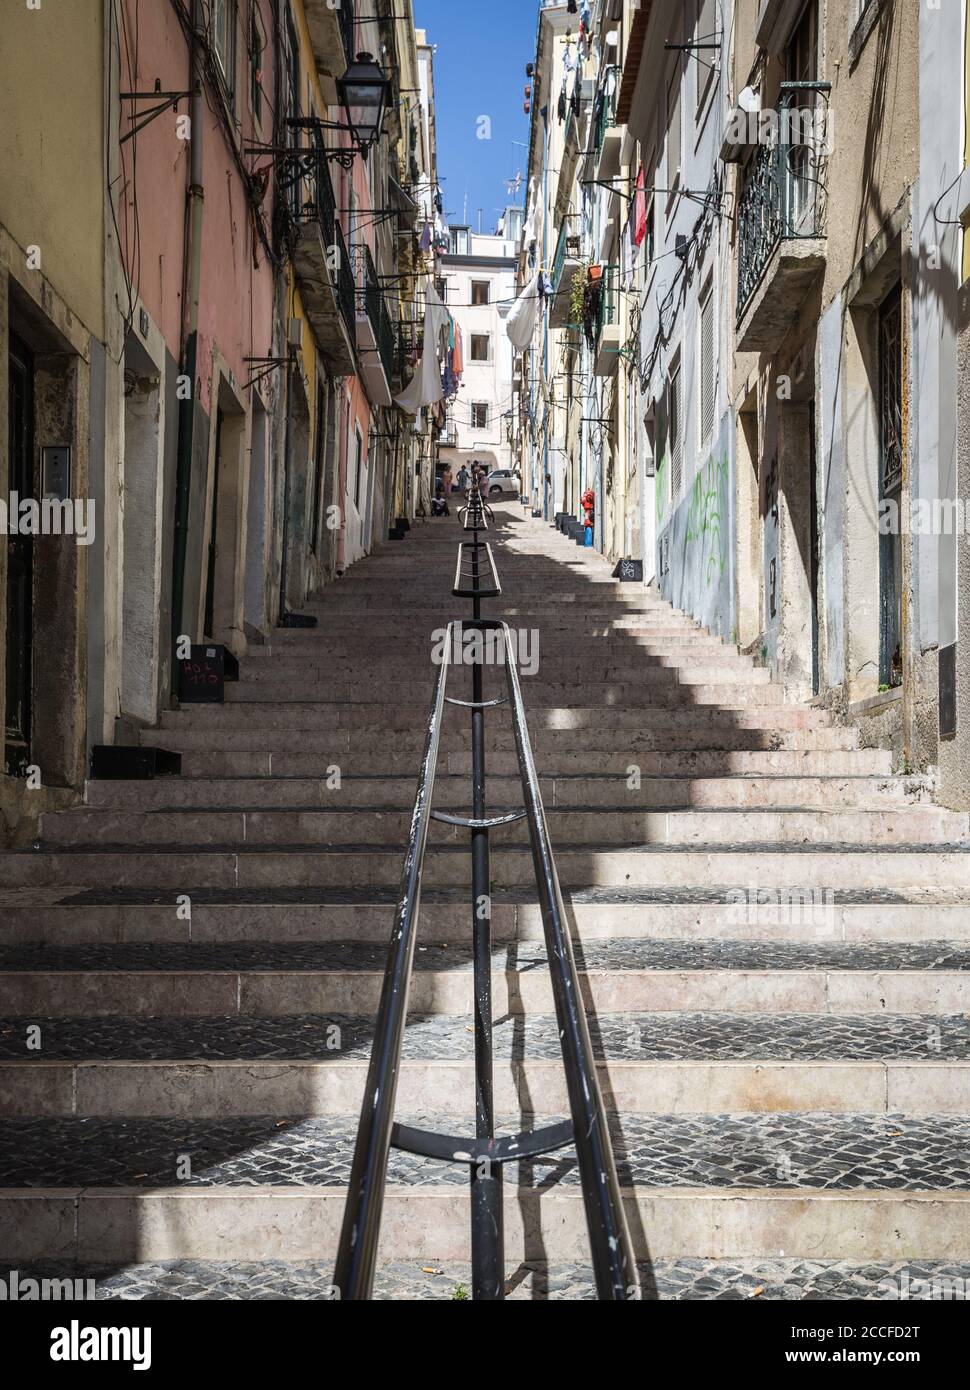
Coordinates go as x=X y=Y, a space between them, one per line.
x=483 y=47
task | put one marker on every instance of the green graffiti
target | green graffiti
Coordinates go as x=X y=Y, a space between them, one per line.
x=706 y=512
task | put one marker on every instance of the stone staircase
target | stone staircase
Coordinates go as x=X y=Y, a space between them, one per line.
x=771 y=931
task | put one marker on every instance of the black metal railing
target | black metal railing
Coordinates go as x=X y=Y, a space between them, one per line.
x=345 y=285
x=372 y=302
x=486 y=1154
x=783 y=194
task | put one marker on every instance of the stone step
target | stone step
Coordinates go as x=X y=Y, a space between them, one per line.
x=369 y=762
x=616 y=977
x=185 y=868
x=633 y=697
x=72 y=918
x=603 y=825
x=453 y=790
x=244 y=1224
x=593 y=743
x=718 y=1187
x=659 y=674
x=271 y=717
x=666 y=1063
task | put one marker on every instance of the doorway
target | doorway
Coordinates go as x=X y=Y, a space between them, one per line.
x=20 y=564
x=890 y=487
x=208 y=622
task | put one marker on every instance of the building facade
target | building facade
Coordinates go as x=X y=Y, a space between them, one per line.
x=749 y=220
x=200 y=346
x=477 y=279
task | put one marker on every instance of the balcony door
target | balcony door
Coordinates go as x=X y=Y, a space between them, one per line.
x=801 y=65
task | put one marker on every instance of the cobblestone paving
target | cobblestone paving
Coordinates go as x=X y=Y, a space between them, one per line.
x=428 y=1279
x=623 y=954
x=623 y=1037
x=835 y=1152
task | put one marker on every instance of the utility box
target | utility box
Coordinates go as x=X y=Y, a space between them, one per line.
x=203 y=674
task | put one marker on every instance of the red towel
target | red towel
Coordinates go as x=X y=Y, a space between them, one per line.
x=640 y=209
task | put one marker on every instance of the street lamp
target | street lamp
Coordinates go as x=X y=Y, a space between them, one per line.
x=363 y=92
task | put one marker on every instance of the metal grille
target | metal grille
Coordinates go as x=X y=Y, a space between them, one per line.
x=890 y=391
x=675 y=436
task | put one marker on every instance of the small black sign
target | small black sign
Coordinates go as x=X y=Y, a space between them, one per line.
x=629 y=571
x=203 y=675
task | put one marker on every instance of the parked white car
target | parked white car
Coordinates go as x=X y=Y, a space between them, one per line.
x=502 y=481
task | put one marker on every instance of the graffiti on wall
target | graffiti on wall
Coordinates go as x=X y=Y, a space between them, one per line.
x=707 y=516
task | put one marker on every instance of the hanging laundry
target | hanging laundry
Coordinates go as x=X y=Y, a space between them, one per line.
x=562 y=104
x=425 y=386
x=640 y=209
x=524 y=315
x=425 y=242
x=458 y=355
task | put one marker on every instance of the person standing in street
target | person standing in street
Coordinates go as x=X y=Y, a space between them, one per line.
x=446 y=482
x=462 y=479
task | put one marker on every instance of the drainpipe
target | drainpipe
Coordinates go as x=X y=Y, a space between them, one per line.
x=287 y=436
x=190 y=329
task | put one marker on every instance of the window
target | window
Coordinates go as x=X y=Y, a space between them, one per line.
x=479 y=292
x=479 y=415
x=481 y=347
x=675 y=431
x=257 y=47
x=441 y=286
x=223 y=35
x=706 y=58
x=707 y=361
x=673 y=129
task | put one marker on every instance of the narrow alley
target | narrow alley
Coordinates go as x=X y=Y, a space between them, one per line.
x=202 y=958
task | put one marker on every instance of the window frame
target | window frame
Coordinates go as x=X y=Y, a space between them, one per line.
x=476 y=406
x=485 y=285
x=479 y=337
x=227 y=12
x=257 y=38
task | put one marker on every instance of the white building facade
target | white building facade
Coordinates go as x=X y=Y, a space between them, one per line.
x=478 y=287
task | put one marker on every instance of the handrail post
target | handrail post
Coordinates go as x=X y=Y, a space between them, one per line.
x=488 y=1237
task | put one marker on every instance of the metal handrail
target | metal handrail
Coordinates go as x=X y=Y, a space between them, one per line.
x=357 y=1254
x=614 y=1267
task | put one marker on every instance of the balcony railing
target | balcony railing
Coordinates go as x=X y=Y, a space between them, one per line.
x=605 y=109
x=609 y=299
x=376 y=308
x=783 y=196
x=346 y=16
x=345 y=285
x=559 y=259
